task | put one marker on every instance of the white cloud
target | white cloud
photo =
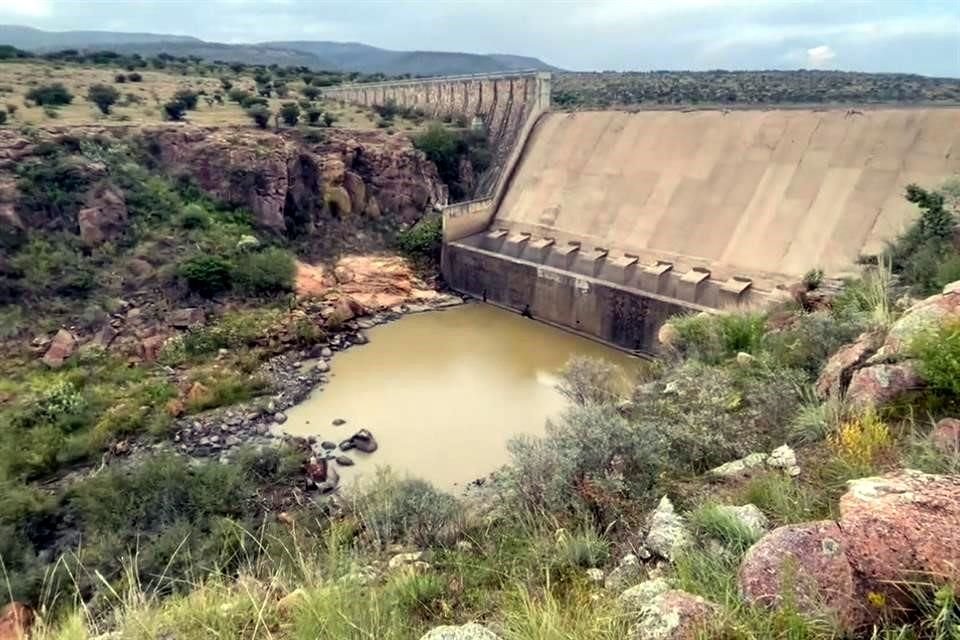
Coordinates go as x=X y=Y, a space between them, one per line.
x=819 y=57
x=28 y=8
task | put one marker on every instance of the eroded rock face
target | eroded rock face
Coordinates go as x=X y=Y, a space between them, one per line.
x=902 y=527
x=104 y=218
x=840 y=367
x=807 y=562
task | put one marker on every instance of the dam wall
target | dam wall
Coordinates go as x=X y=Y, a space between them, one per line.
x=506 y=105
x=705 y=210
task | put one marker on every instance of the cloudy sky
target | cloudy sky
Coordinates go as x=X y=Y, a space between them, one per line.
x=919 y=36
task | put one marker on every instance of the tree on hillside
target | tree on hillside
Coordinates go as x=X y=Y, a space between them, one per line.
x=311 y=92
x=104 y=96
x=188 y=97
x=290 y=113
x=260 y=115
x=50 y=95
x=174 y=110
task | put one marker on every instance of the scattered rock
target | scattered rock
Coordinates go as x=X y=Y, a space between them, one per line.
x=186 y=318
x=105 y=336
x=175 y=408
x=637 y=596
x=279 y=417
x=62 y=347
x=669 y=336
x=360 y=338
x=329 y=446
x=808 y=562
x=749 y=516
x=247 y=243
x=470 y=631
x=626 y=574
x=745 y=359
x=668 y=533
x=361 y=441
x=339 y=421
x=880 y=384
x=321 y=366
x=946 y=436
x=403 y=559
x=16 y=621
x=785 y=459
x=673 y=615
x=344 y=461
x=595 y=575
x=742 y=467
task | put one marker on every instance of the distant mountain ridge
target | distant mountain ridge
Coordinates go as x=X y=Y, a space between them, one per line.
x=333 y=56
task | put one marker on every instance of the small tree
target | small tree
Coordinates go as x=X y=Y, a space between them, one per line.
x=311 y=92
x=313 y=115
x=120 y=78
x=329 y=119
x=134 y=77
x=188 y=97
x=290 y=113
x=104 y=96
x=174 y=110
x=50 y=95
x=3 y=117
x=260 y=115
x=226 y=83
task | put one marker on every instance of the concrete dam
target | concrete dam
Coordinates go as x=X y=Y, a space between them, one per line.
x=609 y=222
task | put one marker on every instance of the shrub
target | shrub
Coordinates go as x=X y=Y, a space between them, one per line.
x=54 y=266
x=3 y=117
x=254 y=101
x=207 y=275
x=714 y=338
x=811 y=339
x=313 y=115
x=410 y=511
x=861 y=442
x=120 y=78
x=782 y=499
x=290 y=112
x=582 y=549
x=269 y=271
x=50 y=95
x=328 y=119
x=238 y=95
x=188 y=97
x=104 y=96
x=174 y=110
x=415 y=594
x=260 y=115
x=194 y=216
x=12 y=108
x=134 y=77
x=226 y=83
x=589 y=462
x=311 y=92
x=917 y=254
x=423 y=239
x=938 y=352
x=591 y=381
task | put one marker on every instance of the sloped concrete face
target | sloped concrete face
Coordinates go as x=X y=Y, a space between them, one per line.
x=727 y=197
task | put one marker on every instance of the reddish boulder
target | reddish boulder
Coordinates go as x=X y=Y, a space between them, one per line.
x=104 y=218
x=150 y=347
x=902 y=527
x=16 y=621
x=61 y=348
x=186 y=318
x=924 y=316
x=946 y=436
x=346 y=309
x=808 y=562
x=840 y=367
x=881 y=384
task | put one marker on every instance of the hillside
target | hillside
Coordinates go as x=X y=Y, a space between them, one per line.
x=645 y=88
x=332 y=56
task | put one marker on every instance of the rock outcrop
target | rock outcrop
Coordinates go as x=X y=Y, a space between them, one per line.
x=894 y=530
x=62 y=347
x=105 y=216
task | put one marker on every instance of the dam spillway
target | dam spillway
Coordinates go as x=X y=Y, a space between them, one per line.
x=613 y=221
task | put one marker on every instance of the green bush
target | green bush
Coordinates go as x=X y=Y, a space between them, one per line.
x=290 y=113
x=709 y=521
x=52 y=186
x=260 y=115
x=207 y=275
x=104 y=96
x=918 y=253
x=174 y=110
x=188 y=98
x=194 y=216
x=714 y=338
x=411 y=511
x=238 y=95
x=425 y=238
x=592 y=381
x=3 y=118
x=269 y=271
x=938 y=352
x=313 y=115
x=311 y=92
x=582 y=549
x=808 y=341
x=50 y=95
x=589 y=462
x=54 y=267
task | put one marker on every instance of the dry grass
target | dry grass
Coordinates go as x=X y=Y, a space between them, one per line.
x=156 y=88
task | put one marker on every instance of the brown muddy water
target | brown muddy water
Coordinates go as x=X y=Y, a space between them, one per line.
x=443 y=391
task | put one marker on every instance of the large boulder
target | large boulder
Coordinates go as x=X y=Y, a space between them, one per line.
x=469 y=631
x=840 y=367
x=104 y=218
x=807 y=565
x=16 y=621
x=946 y=436
x=638 y=596
x=924 y=316
x=902 y=527
x=186 y=318
x=881 y=384
x=673 y=615
x=61 y=347
x=668 y=534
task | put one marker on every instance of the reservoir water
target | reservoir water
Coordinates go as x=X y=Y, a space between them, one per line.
x=443 y=392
